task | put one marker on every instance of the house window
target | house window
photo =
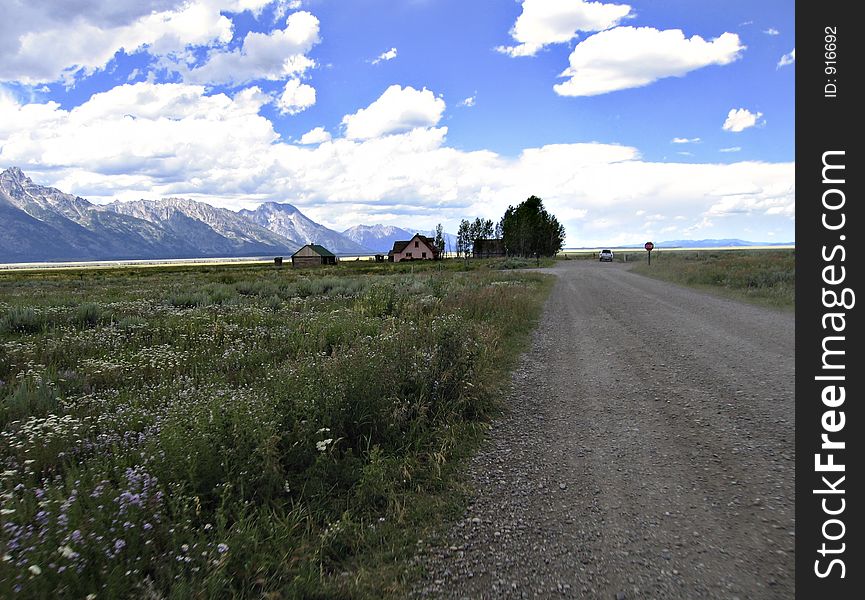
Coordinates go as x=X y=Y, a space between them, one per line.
x=423 y=254
x=415 y=244
x=408 y=254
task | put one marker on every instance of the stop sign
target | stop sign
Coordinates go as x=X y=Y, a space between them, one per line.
x=649 y=246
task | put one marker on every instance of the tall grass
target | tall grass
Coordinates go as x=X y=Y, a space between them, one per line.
x=765 y=277
x=242 y=432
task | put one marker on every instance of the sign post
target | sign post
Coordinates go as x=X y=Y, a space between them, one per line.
x=648 y=247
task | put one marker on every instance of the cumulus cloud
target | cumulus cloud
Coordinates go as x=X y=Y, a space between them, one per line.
x=739 y=119
x=787 y=59
x=147 y=140
x=680 y=140
x=629 y=57
x=389 y=55
x=43 y=42
x=296 y=97
x=544 y=22
x=397 y=110
x=275 y=55
x=317 y=135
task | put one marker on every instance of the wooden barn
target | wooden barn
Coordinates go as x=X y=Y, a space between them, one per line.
x=313 y=255
x=419 y=247
x=489 y=248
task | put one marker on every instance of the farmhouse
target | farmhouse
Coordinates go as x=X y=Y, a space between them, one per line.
x=488 y=248
x=312 y=255
x=419 y=247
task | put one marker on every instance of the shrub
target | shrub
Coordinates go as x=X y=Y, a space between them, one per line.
x=22 y=320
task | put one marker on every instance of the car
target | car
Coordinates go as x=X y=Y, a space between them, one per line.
x=605 y=256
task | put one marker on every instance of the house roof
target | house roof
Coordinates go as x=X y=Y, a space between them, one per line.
x=318 y=249
x=400 y=245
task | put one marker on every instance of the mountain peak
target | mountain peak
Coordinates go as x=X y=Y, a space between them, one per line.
x=278 y=207
x=15 y=174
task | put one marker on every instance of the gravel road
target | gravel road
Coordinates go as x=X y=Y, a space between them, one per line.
x=647 y=453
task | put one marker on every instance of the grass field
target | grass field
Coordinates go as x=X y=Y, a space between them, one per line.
x=243 y=431
x=765 y=277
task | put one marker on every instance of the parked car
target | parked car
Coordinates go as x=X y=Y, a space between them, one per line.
x=606 y=256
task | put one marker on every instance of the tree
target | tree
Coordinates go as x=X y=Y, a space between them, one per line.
x=529 y=230
x=463 y=237
x=440 y=239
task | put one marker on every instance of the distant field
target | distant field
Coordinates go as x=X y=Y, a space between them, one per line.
x=243 y=431
x=761 y=276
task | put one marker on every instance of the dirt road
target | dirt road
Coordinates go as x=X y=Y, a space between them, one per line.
x=647 y=453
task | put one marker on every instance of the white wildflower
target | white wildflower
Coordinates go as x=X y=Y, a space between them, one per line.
x=322 y=445
x=35 y=570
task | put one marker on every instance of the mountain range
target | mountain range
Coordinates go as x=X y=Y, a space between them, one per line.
x=39 y=223
x=713 y=243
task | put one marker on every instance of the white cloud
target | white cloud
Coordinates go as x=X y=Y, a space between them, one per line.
x=156 y=140
x=275 y=55
x=296 y=97
x=740 y=119
x=389 y=55
x=772 y=31
x=397 y=110
x=787 y=59
x=679 y=140
x=544 y=22
x=731 y=149
x=469 y=102
x=317 y=135
x=44 y=42
x=629 y=57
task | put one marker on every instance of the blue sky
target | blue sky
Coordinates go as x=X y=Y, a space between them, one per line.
x=633 y=121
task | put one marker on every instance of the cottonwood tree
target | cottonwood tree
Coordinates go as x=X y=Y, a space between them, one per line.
x=529 y=230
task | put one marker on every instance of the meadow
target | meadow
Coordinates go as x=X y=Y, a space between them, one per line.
x=244 y=431
x=765 y=277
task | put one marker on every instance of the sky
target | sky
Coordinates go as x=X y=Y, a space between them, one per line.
x=646 y=120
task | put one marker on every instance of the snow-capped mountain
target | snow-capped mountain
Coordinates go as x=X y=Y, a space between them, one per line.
x=39 y=223
x=210 y=229
x=287 y=221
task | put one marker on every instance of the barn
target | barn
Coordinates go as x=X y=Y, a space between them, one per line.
x=313 y=255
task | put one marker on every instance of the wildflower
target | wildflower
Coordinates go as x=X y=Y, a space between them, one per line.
x=6 y=511
x=222 y=548
x=119 y=545
x=322 y=445
x=185 y=547
x=323 y=430
x=35 y=569
x=67 y=552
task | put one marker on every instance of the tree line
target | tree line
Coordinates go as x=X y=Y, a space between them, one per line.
x=527 y=230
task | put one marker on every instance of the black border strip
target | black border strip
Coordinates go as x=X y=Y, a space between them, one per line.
x=826 y=118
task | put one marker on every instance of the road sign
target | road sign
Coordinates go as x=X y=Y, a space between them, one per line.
x=648 y=247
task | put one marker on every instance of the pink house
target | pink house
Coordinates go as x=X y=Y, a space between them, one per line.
x=419 y=247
